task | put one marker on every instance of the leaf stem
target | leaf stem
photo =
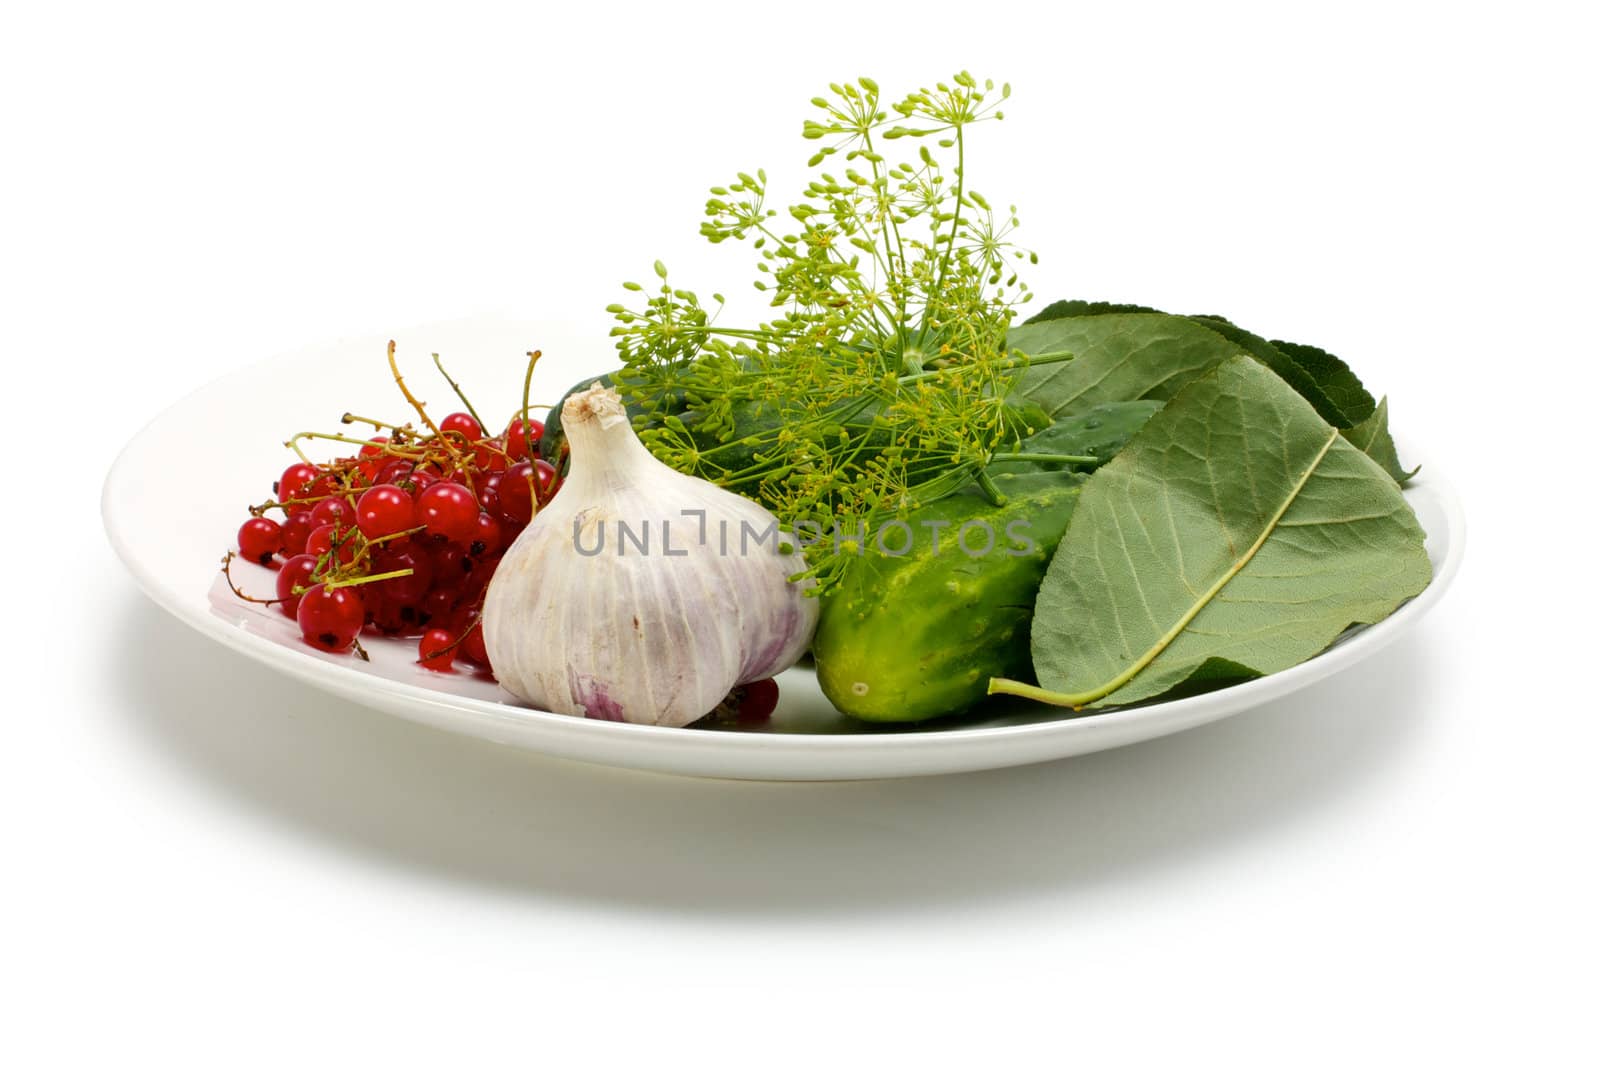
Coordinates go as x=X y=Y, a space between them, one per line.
x=1006 y=686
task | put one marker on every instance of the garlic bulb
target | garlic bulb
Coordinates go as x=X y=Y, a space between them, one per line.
x=639 y=593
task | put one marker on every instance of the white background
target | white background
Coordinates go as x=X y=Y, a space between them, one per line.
x=216 y=865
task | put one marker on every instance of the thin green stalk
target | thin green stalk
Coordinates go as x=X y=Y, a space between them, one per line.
x=955 y=221
x=990 y=490
x=1040 y=457
x=527 y=386
x=437 y=362
x=342 y=439
x=341 y=583
x=1011 y=364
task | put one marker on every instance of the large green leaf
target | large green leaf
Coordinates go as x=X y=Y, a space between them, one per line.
x=1116 y=356
x=1237 y=534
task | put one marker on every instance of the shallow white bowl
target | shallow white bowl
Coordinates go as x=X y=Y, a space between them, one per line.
x=178 y=492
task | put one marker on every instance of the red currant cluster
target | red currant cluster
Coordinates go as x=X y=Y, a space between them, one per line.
x=402 y=538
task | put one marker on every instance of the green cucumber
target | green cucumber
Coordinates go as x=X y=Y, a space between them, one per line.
x=915 y=636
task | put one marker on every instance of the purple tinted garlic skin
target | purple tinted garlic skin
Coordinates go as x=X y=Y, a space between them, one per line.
x=641 y=594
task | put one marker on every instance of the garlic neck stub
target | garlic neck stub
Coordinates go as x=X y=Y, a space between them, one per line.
x=641 y=594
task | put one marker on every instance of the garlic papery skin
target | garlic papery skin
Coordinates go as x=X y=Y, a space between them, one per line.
x=637 y=593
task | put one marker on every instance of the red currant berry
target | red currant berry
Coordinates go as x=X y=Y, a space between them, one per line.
x=330 y=619
x=758 y=701
x=435 y=651
x=371 y=460
x=420 y=479
x=334 y=511
x=385 y=510
x=490 y=454
x=387 y=617
x=260 y=540
x=508 y=532
x=449 y=511
x=486 y=539
x=471 y=591
x=462 y=423
x=394 y=472
x=489 y=492
x=312 y=494
x=472 y=647
x=522 y=438
x=296 y=528
x=325 y=539
x=437 y=606
x=451 y=565
x=294 y=480
x=320 y=540
x=546 y=481
x=516 y=494
x=405 y=589
x=296 y=571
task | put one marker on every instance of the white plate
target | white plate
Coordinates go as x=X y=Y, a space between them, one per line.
x=178 y=492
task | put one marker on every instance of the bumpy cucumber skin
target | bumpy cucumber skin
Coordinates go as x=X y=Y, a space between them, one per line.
x=902 y=639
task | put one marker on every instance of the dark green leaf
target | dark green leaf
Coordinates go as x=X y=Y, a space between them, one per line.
x=1068 y=309
x=1337 y=381
x=1284 y=365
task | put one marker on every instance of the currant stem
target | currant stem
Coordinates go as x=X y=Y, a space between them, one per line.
x=342 y=583
x=227 y=576
x=437 y=362
x=389 y=449
x=460 y=638
x=417 y=405
x=527 y=428
x=366 y=548
x=348 y=417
